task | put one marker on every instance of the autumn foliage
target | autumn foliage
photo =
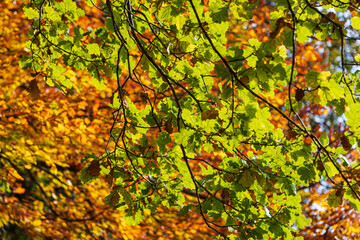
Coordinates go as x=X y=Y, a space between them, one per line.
x=179 y=119
x=41 y=130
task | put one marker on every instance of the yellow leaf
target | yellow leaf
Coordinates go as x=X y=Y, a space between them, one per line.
x=36 y=222
x=28 y=166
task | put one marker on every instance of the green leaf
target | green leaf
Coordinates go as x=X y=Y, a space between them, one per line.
x=252 y=60
x=134 y=216
x=352 y=115
x=303 y=33
x=70 y=5
x=78 y=34
x=307 y=173
x=324 y=139
x=255 y=43
x=116 y=102
x=99 y=84
x=184 y=171
x=330 y=169
x=107 y=70
x=286 y=186
x=330 y=90
x=163 y=139
x=126 y=196
x=219 y=10
x=31 y=13
x=334 y=200
x=165 y=13
x=184 y=211
x=353 y=201
x=93 y=48
x=25 y=62
x=301 y=221
x=247 y=179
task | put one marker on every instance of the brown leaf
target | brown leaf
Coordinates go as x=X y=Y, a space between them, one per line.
x=34 y=90
x=229 y=177
x=244 y=80
x=318 y=28
x=114 y=199
x=337 y=136
x=154 y=151
x=94 y=168
x=299 y=95
x=252 y=195
x=345 y=143
x=279 y=25
x=171 y=33
x=225 y=195
x=216 y=148
x=340 y=192
x=331 y=15
x=307 y=140
x=168 y=127
x=127 y=175
x=144 y=97
x=193 y=61
x=209 y=114
x=123 y=92
x=320 y=165
x=291 y=135
x=109 y=178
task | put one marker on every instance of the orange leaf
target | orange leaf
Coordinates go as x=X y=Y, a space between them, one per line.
x=19 y=190
x=16 y=175
x=307 y=140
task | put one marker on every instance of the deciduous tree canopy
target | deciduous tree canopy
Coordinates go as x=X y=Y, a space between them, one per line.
x=237 y=116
